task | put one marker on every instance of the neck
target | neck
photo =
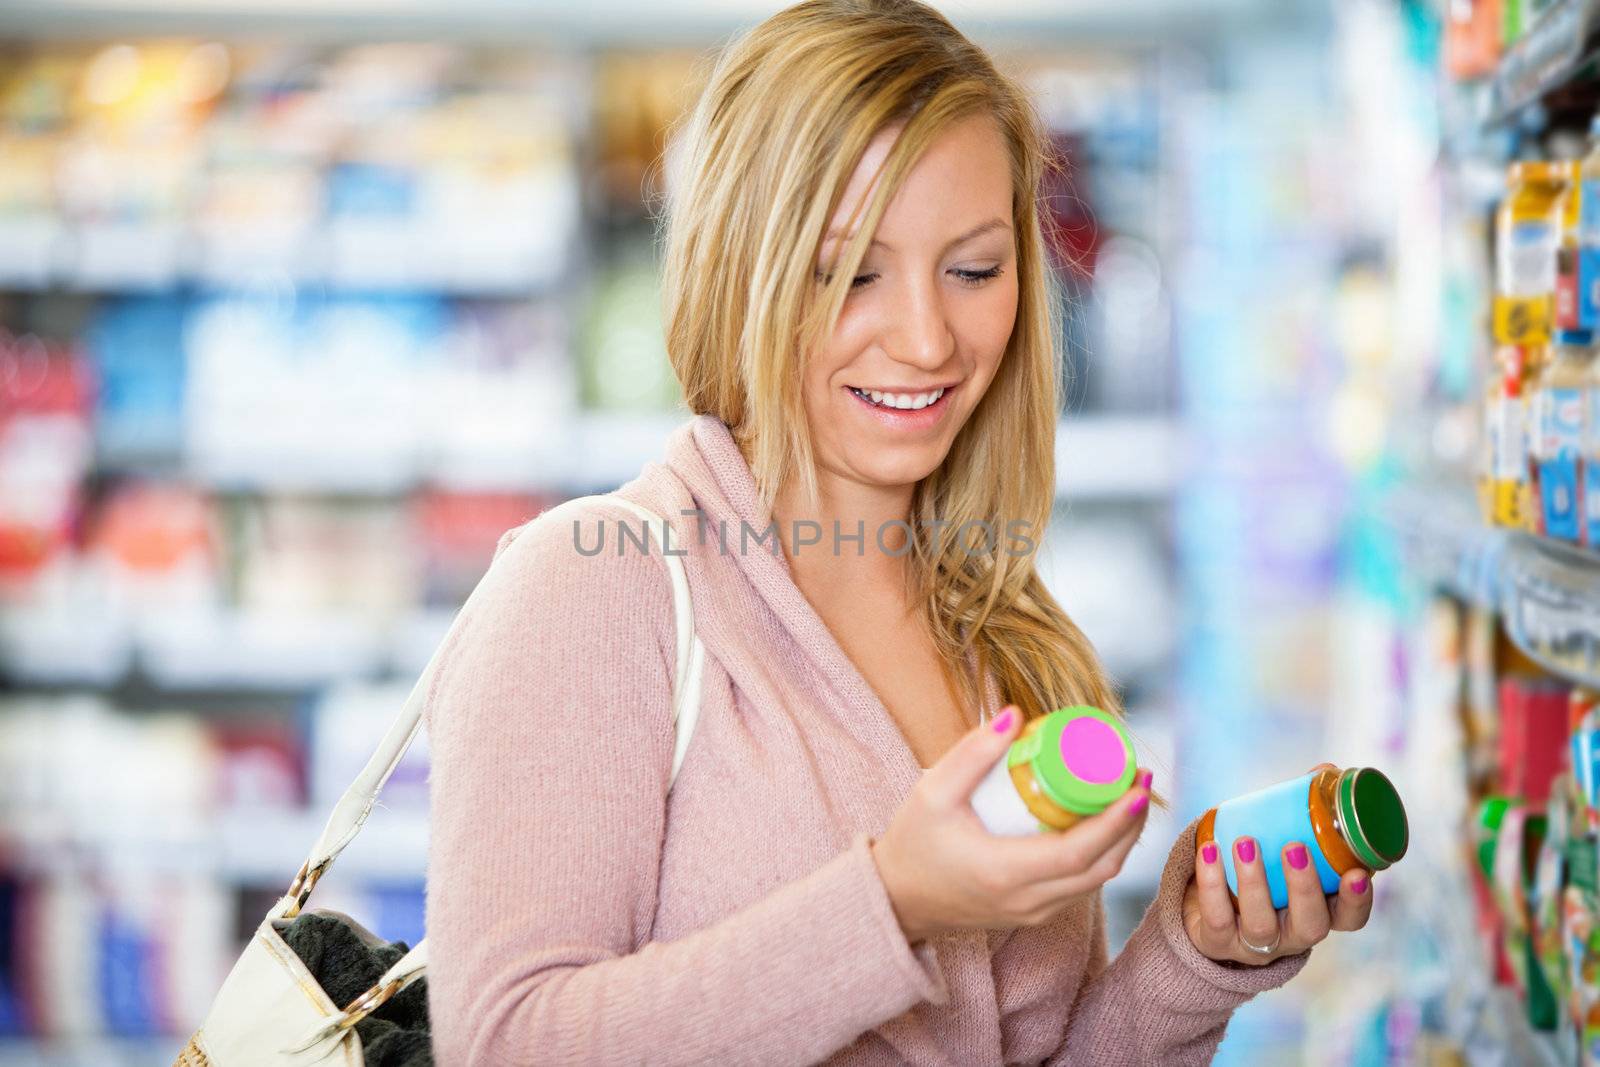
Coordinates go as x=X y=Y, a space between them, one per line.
x=867 y=509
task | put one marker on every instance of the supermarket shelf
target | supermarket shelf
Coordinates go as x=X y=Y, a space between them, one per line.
x=1503 y=1037
x=257 y=848
x=90 y=1052
x=1547 y=593
x=44 y=253
x=607 y=21
x=213 y=650
x=1114 y=457
x=1552 y=59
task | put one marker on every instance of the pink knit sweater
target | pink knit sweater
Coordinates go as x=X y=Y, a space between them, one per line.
x=578 y=912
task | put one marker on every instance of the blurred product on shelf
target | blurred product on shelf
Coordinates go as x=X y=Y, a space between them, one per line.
x=1588 y=266
x=623 y=349
x=1527 y=242
x=1561 y=408
x=380 y=166
x=1472 y=37
x=46 y=448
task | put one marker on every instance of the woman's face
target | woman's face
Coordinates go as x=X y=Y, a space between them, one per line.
x=931 y=309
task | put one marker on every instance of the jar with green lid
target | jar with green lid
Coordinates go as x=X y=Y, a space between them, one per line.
x=1346 y=819
x=1063 y=767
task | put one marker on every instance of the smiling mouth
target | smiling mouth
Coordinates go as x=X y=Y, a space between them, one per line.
x=898 y=401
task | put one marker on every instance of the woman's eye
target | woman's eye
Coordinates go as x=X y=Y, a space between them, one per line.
x=976 y=278
x=855 y=283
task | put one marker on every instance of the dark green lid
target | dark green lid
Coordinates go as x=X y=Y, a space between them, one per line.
x=1372 y=818
x=1082 y=758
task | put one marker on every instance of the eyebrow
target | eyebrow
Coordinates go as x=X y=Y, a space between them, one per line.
x=977 y=231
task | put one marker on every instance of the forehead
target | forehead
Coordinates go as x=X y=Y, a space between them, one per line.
x=964 y=173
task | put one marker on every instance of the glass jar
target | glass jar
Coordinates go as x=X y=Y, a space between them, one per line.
x=1063 y=767
x=1346 y=819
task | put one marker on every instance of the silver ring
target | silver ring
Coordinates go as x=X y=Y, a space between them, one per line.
x=1266 y=950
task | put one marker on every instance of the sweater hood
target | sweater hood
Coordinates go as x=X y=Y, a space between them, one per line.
x=716 y=482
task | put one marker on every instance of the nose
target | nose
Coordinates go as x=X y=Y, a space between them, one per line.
x=919 y=329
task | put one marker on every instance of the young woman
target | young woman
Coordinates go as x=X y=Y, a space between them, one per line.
x=857 y=307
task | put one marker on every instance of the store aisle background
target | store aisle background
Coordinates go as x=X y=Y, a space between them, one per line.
x=300 y=308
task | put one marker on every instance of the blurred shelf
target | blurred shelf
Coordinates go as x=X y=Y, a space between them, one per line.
x=1547 y=592
x=1504 y=1037
x=91 y=1052
x=1114 y=457
x=42 y=253
x=263 y=847
x=635 y=21
x=185 y=651
x=1554 y=58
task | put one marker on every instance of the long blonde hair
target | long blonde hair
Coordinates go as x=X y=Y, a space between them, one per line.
x=786 y=115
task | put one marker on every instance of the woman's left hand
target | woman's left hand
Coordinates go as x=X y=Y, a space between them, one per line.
x=1223 y=934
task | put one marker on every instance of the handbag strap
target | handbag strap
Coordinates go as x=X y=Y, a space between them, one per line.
x=351 y=812
x=361 y=795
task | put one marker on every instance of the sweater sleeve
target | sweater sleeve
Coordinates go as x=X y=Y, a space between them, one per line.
x=1160 y=1001
x=551 y=741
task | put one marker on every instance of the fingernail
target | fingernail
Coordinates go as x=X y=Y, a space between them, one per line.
x=1246 y=849
x=1138 y=805
x=1298 y=857
x=1359 y=886
x=1209 y=852
x=1145 y=778
x=1002 y=722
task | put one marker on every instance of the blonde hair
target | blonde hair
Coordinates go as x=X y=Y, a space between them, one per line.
x=786 y=115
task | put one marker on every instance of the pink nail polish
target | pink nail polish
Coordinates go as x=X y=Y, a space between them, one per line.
x=1246 y=848
x=1359 y=886
x=1145 y=778
x=1208 y=852
x=1298 y=858
x=1002 y=722
x=1139 y=804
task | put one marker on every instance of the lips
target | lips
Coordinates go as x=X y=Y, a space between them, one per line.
x=905 y=418
x=912 y=401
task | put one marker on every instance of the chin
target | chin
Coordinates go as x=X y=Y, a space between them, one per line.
x=907 y=472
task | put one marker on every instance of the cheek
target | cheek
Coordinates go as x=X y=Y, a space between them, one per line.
x=852 y=335
x=987 y=323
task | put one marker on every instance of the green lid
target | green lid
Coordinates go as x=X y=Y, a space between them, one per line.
x=1491 y=811
x=1372 y=818
x=1082 y=758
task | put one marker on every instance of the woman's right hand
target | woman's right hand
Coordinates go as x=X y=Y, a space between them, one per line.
x=945 y=871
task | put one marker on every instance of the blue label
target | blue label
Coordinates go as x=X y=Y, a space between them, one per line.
x=1589 y=288
x=1591 y=501
x=1589 y=211
x=1275 y=816
x=1558 y=486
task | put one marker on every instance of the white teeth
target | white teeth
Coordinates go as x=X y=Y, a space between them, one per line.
x=901 y=401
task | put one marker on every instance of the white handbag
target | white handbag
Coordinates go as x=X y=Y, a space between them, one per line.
x=270 y=1009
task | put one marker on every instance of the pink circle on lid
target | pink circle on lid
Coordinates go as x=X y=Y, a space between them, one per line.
x=1092 y=750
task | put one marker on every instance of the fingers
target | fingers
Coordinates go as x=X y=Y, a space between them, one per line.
x=1309 y=919
x=1216 y=933
x=1258 y=919
x=1353 y=904
x=1076 y=852
x=949 y=782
